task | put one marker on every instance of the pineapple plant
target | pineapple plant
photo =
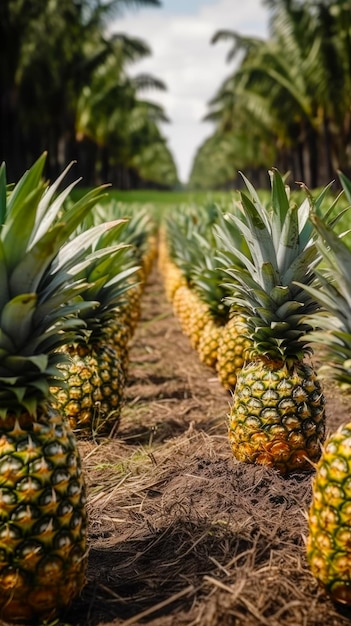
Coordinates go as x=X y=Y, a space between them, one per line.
x=95 y=375
x=207 y=278
x=172 y=275
x=328 y=542
x=140 y=233
x=277 y=415
x=233 y=342
x=43 y=545
x=185 y=244
x=333 y=293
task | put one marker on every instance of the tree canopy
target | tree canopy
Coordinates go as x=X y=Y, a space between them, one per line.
x=65 y=88
x=287 y=103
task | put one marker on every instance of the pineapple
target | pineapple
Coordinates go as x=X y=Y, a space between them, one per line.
x=208 y=343
x=140 y=233
x=329 y=515
x=43 y=545
x=172 y=275
x=191 y=312
x=95 y=376
x=329 y=518
x=185 y=249
x=233 y=342
x=277 y=417
x=232 y=350
x=207 y=280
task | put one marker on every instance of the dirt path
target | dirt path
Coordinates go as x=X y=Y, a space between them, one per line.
x=180 y=533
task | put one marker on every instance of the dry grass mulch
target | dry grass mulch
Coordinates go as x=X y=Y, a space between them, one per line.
x=180 y=533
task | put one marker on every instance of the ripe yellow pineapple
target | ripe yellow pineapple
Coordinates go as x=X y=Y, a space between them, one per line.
x=92 y=398
x=43 y=545
x=329 y=515
x=95 y=375
x=43 y=542
x=277 y=416
x=208 y=343
x=183 y=301
x=232 y=350
x=329 y=518
x=192 y=312
x=172 y=275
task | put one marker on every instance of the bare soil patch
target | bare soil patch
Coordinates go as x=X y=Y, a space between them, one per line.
x=181 y=533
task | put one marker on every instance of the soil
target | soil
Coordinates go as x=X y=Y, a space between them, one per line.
x=180 y=532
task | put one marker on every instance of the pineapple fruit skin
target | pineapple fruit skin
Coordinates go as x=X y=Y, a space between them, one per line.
x=43 y=520
x=208 y=344
x=93 y=398
x=329 y=518
x=184 y=300
x=277 y=416
x=232 y=351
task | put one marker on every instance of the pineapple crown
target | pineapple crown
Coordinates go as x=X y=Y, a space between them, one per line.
x=267 y=282
x=184 y=228
x=139 y=223
x=333 y=292
x=107 y=268
x=207 y=279
x=41 y=280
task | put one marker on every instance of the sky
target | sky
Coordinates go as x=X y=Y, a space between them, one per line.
x=179 y=35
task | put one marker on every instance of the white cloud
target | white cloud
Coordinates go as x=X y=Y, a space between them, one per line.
x=192 y=68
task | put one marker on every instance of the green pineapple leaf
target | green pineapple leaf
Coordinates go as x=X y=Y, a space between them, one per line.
x=19 y=311
x=256 y=231
x=280 y=202
x=49 y=207
x=346 y=184
x=3 y=187
x=4 y=279
x=29 y=182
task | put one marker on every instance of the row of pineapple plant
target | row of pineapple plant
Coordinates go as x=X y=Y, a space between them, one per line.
x=263 y=250
x=42 y=496
x=277 y=415
x=65 y=276
x=194 y=284
x=329 y=516
x=95 y=378
x=62 y=287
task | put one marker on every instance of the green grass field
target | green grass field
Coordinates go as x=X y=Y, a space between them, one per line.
x=165 y=198
x=161 y=201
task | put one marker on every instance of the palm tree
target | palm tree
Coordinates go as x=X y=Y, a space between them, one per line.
x=113 y=125
x=50 y=52
x=293 y=89
x=322 y=28
x=271 y=84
